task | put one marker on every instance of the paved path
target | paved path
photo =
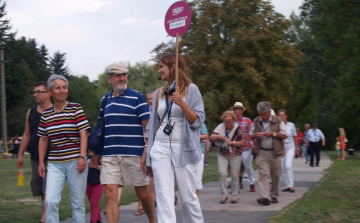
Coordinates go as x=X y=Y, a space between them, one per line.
x=247 y=209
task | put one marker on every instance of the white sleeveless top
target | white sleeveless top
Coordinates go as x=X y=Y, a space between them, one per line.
x=177 y=116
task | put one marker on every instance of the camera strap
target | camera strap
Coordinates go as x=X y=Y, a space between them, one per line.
x=156 y=106
x=168 y=108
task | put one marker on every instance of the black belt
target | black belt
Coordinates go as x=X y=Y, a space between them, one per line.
x=266 y=149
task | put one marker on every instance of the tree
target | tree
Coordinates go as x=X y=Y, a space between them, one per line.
x=57 y=64
x=82 y=91
x=237 y=47
x=4 y=24
x=334 y=37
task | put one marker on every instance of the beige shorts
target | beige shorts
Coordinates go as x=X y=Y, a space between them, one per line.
x=122 y=170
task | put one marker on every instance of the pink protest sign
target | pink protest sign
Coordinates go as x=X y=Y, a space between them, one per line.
x=178 y=18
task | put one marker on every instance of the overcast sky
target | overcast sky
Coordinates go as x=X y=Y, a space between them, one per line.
x=95 y=33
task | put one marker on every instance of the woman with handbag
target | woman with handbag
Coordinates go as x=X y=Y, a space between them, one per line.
x=173 y=150
x=231 y=139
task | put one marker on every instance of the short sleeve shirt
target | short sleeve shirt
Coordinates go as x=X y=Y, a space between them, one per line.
x=237 y=136
x=291 y=132
x=63 y=130
x=124 y=133
x=314 y=135
x=203 y=130
x=245 y=124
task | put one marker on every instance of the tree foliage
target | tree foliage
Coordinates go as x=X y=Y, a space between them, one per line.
x=327 y=79
x=57 y=64
x=237 y=48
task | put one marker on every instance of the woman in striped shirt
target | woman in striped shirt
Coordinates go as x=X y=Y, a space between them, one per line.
x=64 y=126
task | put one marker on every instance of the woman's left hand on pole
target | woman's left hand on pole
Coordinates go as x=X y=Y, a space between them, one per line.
x=176 y=97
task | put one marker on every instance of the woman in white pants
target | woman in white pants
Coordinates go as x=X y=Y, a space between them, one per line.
x=230 y=133
x=199 y=174
x=291 y=147
x=173 y=134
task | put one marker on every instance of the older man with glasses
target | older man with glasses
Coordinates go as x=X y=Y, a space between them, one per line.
x=126 y=115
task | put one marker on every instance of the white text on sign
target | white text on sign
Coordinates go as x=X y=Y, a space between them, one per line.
x=175 y=25
x=177 y=10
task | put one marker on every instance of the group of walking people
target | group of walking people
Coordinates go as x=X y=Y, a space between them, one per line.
x=164 y=144
x=158 y=142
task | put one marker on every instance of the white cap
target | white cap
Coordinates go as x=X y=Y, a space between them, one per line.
x=239 y=105
x=116 y=68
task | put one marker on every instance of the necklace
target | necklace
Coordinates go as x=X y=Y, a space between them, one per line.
x=62 y=108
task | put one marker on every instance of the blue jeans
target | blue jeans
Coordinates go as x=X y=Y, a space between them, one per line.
x=57 y=174
x=305 y=152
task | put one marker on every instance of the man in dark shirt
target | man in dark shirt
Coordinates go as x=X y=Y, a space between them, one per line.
x=31 y=140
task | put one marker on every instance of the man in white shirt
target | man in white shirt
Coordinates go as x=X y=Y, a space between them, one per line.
x=315 y=139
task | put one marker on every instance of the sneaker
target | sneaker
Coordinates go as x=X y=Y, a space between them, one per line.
x=286 y=190
x=274 y=200
x=245 y=176
x=263 y=201
x=241 y=186
x=223 y=200
x=252 y=188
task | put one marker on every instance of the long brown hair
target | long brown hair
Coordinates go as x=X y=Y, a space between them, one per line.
x=184 y=81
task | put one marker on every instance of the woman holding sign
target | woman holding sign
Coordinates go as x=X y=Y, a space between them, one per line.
x=173 y=150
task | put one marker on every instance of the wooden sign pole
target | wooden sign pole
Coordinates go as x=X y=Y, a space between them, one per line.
x=177 y=63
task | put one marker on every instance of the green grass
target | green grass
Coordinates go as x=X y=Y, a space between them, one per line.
x=336 y=199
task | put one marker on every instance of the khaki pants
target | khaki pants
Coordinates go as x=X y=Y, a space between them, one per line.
x=223 y=163
x=269 y=166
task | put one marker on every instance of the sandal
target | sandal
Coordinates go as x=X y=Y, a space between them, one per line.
x=223 y=200
x=140 y=211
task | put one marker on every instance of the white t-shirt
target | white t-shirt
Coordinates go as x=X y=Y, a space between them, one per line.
x=176 y=117
x=291 y=132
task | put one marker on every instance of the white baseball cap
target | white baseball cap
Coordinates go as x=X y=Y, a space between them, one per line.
x=239 y=105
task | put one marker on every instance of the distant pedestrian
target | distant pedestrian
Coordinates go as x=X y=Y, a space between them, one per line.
x=343 y=141
x=204 y=135
x=269 y=132
x=30 y=140
x=15 y=145
x=316 y=139
x=305 y=140
x=246 y=157
x=231 y=138
x=300 y=138
x=291 y=147
x=337 y=148
x=64 y=126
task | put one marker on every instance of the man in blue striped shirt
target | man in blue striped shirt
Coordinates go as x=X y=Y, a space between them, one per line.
x=126 y=115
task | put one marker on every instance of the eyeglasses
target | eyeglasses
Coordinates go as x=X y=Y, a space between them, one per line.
x=119 y=75
x=38 y=92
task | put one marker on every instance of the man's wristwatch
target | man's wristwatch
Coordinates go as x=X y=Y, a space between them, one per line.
x=274 y=135
x=84 y=157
